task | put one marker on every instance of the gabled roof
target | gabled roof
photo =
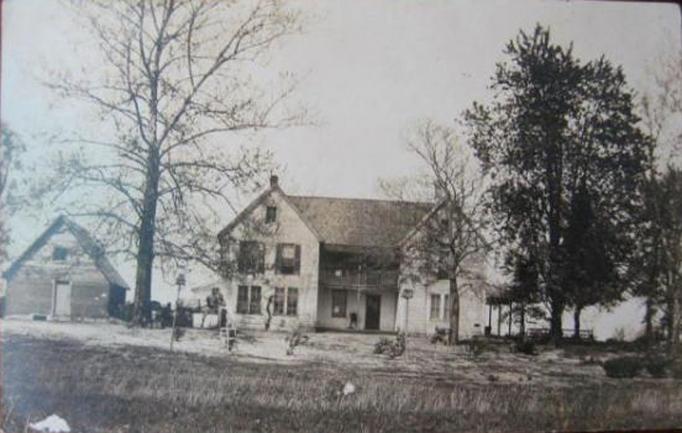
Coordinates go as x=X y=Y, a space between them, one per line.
x=260 y=199
x=361 y=222
x=85 y=240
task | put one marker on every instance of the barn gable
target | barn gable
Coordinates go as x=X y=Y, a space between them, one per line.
x=83 y=240
x=64 y=274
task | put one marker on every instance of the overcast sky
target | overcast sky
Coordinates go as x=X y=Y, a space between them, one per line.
x=368 y=70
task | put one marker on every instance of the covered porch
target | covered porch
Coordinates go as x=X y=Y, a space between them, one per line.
x=358 y=290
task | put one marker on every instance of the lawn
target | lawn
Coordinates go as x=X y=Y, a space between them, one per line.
x=108 y=378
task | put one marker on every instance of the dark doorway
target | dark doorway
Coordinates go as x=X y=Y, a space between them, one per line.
x=373 y=312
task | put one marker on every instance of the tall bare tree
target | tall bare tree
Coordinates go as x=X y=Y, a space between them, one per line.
x=657 y=276
x=451 y=242
x=178 y=79
x=11 y=147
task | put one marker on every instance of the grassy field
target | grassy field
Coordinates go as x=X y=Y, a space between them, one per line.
x=129 y=388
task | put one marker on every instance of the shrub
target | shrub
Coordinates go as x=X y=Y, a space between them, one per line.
x=676 y=368
x=526 y=347
x=383 y=345
x=392 y=348
x=440 y=336
x=477 y=346
x=296 y=338
x=178 y=333
x=657 y=366
x=623 y=367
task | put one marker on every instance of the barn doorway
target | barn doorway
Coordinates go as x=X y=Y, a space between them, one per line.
x=61 y=299
x=373 y=312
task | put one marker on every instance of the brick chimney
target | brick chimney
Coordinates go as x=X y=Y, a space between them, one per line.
x=274 y=180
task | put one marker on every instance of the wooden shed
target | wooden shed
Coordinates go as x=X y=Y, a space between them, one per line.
x=64 y=274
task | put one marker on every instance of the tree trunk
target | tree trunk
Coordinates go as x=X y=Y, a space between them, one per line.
x=453 y=337
x=649 y=320
x=674 y=323
x=554 y=172
x=576 y=322
x=522 y=321
x=557 y=310
x=145 y=250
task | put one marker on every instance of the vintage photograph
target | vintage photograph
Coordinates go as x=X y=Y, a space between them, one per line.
x=340 y=216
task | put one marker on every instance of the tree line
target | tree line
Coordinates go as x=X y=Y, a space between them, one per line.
x=574 y=197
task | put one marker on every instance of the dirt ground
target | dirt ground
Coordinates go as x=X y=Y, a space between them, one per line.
x=553 y=367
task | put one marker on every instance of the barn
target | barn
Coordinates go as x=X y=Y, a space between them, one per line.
x=64 y=275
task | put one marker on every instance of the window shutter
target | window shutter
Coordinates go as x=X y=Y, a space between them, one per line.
x=278 y=259
x=261 y=258
x=241 y=257
x=297 y=260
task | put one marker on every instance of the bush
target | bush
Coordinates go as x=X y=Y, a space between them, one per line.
x=392 y=348
x=477 y=346
x=676 y=368
x=526 y=347
x=296 y=338
x=383 y=345
x=623 y=367
x=657 y=366
x=440 y=336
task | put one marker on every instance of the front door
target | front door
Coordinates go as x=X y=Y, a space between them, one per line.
x=61 y=305
x=373 y=312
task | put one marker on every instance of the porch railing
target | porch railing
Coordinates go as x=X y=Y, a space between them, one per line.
x=387 y=279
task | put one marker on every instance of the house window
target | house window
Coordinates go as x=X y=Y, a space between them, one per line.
x=59 y=254
x=270 y=214
x=254 y=305
x=279 y=301
x=446 y=307
x=288 y=259
x=248 y=304
x=243 y=300
x=251 y=257
x=435 y=307
x=339 y=303
x=292 y=301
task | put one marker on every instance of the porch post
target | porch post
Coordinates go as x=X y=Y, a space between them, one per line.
x=357 y=307
x=490 y=316
x=511 y=307
x=499 y=320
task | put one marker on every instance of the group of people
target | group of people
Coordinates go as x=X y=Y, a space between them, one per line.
x=215 y=304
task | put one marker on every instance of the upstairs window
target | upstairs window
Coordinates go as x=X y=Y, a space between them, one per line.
x=270 y=214
x=435 y=307
x=251 y=257
x=288 y=259
x=59 y=254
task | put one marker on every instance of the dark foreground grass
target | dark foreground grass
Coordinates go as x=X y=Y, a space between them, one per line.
x=149 y=390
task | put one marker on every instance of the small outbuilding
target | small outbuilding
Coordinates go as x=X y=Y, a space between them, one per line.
x=64 y=275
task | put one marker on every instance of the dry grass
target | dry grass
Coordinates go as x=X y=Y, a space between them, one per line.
x=137 y=389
